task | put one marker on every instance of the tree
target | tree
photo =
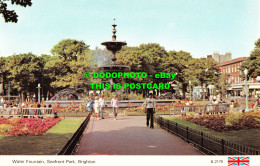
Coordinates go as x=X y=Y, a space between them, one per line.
x=10 y=15
x=179 y=63
x=66 y=68
x=133 y=57
x=205 y=71
x=23 y=71
x=253 y=62
x=69 y=49
x=147 y=58
x=2 y=62
x=223 y=83
x=155 y=56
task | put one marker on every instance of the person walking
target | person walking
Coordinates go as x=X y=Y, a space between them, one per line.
x=115 y=106
x=90 y=103
x=96 y=107
x=149 y=109
x=102 y=104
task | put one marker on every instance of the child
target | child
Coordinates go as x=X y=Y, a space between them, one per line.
x=96 y=107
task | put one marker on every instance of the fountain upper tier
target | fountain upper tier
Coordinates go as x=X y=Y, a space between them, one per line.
x=114 y=46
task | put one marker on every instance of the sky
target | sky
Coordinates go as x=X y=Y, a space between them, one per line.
x=196 y=26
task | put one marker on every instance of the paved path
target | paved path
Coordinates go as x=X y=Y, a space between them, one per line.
x=129 y=136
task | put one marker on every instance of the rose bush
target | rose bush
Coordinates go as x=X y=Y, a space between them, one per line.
x=26 y=126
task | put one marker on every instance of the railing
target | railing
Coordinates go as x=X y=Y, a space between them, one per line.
x=207 y=143
x=122 y=103
x=22 y=112
x=200 y=109
x=70 y=146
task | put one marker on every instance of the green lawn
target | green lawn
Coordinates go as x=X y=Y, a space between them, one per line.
x=249 y=137
x=48 y=144
x=79 y=114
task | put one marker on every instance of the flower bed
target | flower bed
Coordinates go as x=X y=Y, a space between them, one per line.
x=72 y=108
x=26 y=126
x=226 y=122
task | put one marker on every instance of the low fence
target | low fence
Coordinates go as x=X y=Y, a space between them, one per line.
x=122 y=103
x=25 y=112
x=70 y=146
x=200 y=109
x=207 y=143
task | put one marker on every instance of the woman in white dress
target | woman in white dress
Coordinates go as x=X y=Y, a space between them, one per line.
x=96 y=107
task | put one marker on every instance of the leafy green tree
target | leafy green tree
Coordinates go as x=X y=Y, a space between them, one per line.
x=10 y=15
x=2 y=62
x=205 y=71
x=2 y=74
x=155 y=56
x=66 y=68
x=133 y=57
x=24 y=71
x=75 y=78
x=147 y=58
x=223 y=84
x=69 y=49
x=178 y=63
x=253 y=62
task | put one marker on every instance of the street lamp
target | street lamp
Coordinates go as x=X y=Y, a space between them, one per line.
x=1 y=82
x=232 y=78
x=190 y=89
x=39 y=92
x=246 y=72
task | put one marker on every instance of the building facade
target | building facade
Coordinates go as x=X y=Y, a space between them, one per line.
x=234 y=77
x=222 y=58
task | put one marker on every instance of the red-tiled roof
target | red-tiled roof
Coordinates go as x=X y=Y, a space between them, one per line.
x=232 y=61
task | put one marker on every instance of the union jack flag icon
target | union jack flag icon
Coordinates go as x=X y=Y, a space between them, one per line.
x=238 y=161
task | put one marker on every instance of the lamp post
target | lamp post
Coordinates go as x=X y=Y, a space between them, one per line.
x=39 y=91
x=1 y=83
x=246 y=72
x=232 y=78
x=190 y=89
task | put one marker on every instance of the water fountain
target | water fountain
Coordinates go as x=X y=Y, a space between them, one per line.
x=114 y=46
x=68 y=95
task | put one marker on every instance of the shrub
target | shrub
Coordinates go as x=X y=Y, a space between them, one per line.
x=226 y=122
x=190 y=114
x=233 y=118
x=5 y=128
x=134 y=96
